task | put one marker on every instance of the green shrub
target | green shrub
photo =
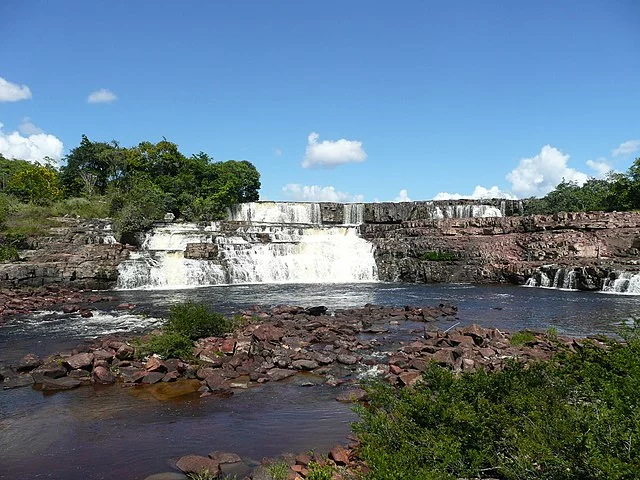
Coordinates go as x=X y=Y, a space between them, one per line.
x=8 y=253
x=194 y=320
x=319 y=472
x=576 y=417
x=522 y=338
x=438 y=256
x=168 y=345
x=278 y=470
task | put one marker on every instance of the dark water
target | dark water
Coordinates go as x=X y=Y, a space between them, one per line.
x=119 y=433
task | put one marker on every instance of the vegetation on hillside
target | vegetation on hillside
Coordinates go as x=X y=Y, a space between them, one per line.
x=136 y=186
x=575 y=417
x=618 y=191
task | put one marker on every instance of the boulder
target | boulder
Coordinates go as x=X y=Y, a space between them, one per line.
x=28 y=363
x=346 y=359
x=125 y=352
x=64 y=383
x=304 y=364
x=102 y=376
x=197 y=463
x=81 y=360
x=277 y=374
x=340 y=455
x=224 y=457
x=18 y=381
x=154 y=364
x=152 y=377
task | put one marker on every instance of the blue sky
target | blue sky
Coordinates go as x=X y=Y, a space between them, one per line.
x=335 y=100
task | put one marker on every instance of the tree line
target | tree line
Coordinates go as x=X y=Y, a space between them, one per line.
x=139 y=184
x=617 y=192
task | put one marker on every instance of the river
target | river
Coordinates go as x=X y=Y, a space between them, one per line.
x=106 y=433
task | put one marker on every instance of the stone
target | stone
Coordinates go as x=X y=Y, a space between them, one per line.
x=64 y=383
x=48 y=371
x=28 y=363
x=167 y=476
x=218 y=384
x=240 y=382
x=444 y=357
x=268 y=333
x=80 y=374
x=81 y=360
x=304 y=364
x=102 y=376
x=353 y=395
x=125 y=352
x=224 y=457
x=410 y=377
x=197 y=463
x=102 y=354
x=171 y=376
x=154 y=364
x=152 y=377
x=277 y=374
x=340 y=455
x=18 y=381
x=316 y=311
x=346 y=359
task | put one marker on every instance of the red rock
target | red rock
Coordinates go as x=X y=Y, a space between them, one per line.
x=197 y=463
x=340 y=455
x=228 y=346
x=154 y=364
x=102 y=376
x=125 y=352
x=395 y=369
x=268 y=333
x=410 y=377
x=81 y=360
x=224 y=457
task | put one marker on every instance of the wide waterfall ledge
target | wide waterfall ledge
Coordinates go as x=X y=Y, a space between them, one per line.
x=278 y=242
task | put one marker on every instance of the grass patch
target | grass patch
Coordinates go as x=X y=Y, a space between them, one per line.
x=195 y=320
x=278 y=470
x=575 y=417
x=204 y=474
x=437 y=256
x=522 y=338
x=8 y=253
x=320 y=472
x=167 y=345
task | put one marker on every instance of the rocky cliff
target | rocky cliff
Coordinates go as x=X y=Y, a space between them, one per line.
x=76 y=253
x=506 y=249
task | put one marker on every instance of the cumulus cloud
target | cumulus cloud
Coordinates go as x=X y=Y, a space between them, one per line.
x=600 y=167
x=479 y=192
x=12 y=92
x=627 y=148
x=403 y=196
x=538 y=175
x=32 y=148
x=102 y=96
x=316 y=193
x=27 y=127
x=277 y=152
x=332 y=153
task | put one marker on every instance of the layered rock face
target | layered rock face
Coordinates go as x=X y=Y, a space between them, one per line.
x=77 y=253
x=507 y=249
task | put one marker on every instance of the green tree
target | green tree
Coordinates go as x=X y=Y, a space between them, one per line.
x=35 y=184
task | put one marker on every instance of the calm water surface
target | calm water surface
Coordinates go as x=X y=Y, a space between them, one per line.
x=120 y=433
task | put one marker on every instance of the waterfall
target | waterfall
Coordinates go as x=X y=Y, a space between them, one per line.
x=625 y=282
x=277 y=212
x=250 y=253
x=353 y=213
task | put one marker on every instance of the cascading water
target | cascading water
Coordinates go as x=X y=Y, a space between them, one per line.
x=267 y=242
x=625 y=282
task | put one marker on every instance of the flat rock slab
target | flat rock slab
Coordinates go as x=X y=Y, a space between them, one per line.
x=197 y=463
x=17 y=382
x=224 y=457
x=277 y=374
x=64 y=383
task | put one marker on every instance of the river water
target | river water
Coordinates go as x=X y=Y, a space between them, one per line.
x=107 y=433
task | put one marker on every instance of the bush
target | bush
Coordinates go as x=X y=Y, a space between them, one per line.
x=576 y=417
x=438 y=256
x=168 y=345
x=8 y=253
x=522 y=338
x=96 y=207
x=194 y=320
x=319 y=472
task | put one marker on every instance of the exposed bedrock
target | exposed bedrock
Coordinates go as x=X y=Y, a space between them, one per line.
x=509 y=249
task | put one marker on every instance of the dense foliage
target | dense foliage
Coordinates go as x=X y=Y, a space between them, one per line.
x=577 y=417
x=619 y=191
x=136 y=185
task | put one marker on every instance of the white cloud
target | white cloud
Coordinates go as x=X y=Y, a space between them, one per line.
x=626 y=148
x=27 y=127
x=277 y=152
x=538 y=175
x=316 y=193
x=332 y=153
x=479 y=192
x=600 y=166
x=12 y=92
x=102 y=96
x=403 y=196
x=32 y=148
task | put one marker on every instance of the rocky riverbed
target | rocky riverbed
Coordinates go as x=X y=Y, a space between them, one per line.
x=334 y=348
